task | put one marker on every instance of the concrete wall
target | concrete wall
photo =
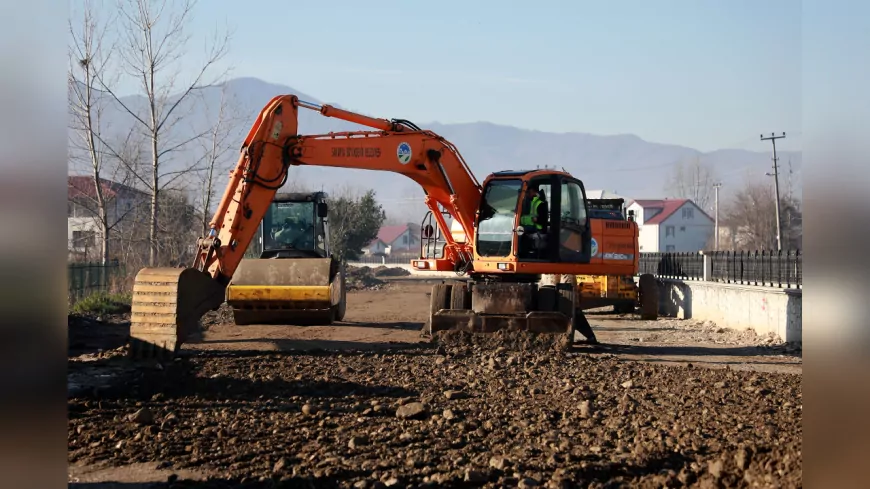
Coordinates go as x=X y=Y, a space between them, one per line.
x=762 y=309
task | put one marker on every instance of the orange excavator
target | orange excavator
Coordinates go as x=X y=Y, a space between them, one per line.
x=504 y=256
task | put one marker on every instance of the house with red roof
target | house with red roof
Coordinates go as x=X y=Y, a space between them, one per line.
x=394 y=240
x=123 y=203
x=677 y=225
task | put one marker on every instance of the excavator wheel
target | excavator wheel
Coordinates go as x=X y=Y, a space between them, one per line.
x=565 y=303
x=460 y=297
x=547 y=298
x=441 y=298
x=648 y=294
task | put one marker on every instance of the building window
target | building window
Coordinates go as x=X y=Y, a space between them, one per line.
x=670 y=248
x=682 y=229
x=688 y=213
x=669 y=231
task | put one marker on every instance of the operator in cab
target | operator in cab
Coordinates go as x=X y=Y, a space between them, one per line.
x=534 y=220
x=295 y=233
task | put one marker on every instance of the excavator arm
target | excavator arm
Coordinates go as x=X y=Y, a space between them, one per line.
x=168 y=302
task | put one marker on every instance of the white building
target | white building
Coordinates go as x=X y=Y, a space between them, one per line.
x=672 y=225
x=394 y=240
x=83 y=228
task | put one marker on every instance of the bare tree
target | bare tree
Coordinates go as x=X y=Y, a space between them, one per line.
x=151 y=51
x=751 y=218
x=692 y=180
x=89 y=55
x=218 y=152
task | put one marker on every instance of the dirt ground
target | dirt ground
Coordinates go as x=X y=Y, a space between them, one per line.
x=371 y=403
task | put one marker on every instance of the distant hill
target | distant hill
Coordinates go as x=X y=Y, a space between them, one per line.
x=624 y=164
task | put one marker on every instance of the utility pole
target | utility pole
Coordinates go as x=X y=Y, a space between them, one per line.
x=717 y=186
x=773 y=139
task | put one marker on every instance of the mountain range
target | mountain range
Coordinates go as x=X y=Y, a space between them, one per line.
x=624 y=164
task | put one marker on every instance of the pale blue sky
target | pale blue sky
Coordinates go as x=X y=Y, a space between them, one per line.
x=704 y=74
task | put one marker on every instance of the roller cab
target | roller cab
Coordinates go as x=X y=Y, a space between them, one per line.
x=291 y=277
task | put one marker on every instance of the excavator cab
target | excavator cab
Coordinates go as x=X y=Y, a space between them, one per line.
x=294 y=279
x=562 y=233
x=522 y=276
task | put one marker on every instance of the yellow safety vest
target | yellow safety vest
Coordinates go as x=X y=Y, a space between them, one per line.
x=533 y=211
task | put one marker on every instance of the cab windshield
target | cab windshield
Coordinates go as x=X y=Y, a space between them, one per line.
x=290 y=225
x=498 y=211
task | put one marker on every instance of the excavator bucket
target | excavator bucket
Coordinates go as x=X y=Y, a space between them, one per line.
x=287 y=291
x=166 y=308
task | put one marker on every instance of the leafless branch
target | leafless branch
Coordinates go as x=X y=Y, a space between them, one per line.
x=692 y=180
x=153 y=52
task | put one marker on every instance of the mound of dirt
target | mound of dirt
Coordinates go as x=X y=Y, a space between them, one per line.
x=224 y=315
x=383 y=271
x=363 y=278
x=504 y=340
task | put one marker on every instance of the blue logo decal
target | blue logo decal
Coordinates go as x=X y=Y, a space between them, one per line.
x=594 y=247
x=404 y=153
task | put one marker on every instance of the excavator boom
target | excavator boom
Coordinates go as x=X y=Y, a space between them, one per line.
x=505 y=255
x=168 y=302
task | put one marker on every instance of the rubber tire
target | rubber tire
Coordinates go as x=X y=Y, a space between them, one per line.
x=439 y=299
x=460 y=298
x=649 y=297
x=547 y=298
x=341 y=307
x=565 y=303
x=565 y=298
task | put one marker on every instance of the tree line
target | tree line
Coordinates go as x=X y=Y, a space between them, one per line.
x=177 y=164
x=747 y=220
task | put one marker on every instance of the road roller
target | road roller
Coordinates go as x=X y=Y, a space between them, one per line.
x=289 y=275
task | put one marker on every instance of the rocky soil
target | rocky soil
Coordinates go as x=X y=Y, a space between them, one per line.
x=453 y=414
x=672 y=330
x=501 y=411
x=368 y=278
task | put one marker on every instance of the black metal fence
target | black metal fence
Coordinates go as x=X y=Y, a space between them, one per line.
x=676 y=265
x=87 y=278
x=763 y=267
x=766 y=267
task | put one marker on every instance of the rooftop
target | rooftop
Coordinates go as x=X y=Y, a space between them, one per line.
x=79 y=186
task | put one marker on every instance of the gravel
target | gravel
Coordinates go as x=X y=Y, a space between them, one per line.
x=461 y=414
